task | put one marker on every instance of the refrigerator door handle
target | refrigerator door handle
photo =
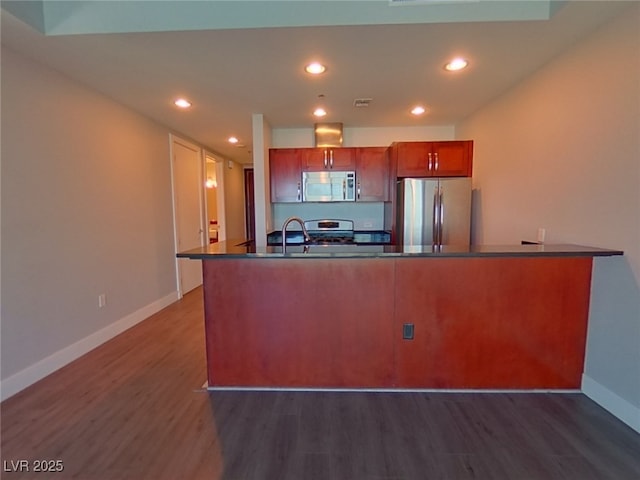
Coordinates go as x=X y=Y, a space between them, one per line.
x=434 y=218
x=441 y=215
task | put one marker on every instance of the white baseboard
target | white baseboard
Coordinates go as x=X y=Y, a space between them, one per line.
x=614 y=404
x=59 y=359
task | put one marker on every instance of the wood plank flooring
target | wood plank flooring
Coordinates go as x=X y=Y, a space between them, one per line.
x=134 y=409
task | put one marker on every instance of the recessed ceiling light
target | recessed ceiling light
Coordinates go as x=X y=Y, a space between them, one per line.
x=233 y=140
x=319 y=112
x=182 y=103
x=456 y=64
x=315 y=68
x=418 y=110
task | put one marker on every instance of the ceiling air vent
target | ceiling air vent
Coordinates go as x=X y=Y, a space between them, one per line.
x=362 y=102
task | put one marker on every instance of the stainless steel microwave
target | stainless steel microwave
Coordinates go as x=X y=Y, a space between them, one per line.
x=328 y=186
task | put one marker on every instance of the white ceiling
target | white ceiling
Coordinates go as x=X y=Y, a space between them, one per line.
x=231 y=73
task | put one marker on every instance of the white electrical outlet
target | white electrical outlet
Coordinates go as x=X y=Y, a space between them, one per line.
x=102 y=300
x=542 y=232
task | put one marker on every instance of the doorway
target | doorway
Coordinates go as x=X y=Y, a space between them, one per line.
x=215 y=201
x=188 y=210
x=249 y=204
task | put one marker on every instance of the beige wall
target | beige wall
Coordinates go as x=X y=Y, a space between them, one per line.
x=562 y=151
x=234 y=199
x=262 y=188
x=86 y=209
x=363 y=137
x=212 y=202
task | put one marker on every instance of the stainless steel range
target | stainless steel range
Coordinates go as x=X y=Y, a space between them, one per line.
x=329 y=232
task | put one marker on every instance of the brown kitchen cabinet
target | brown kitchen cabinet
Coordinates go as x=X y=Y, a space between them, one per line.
x=318 y=159
x=372 y=174
x=478 y=322
x=285 y=175
x=504 y=326
x=434 y=159
x=292 y=323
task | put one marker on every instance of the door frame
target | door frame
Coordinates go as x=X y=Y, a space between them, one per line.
x=173 y=139
x=249 y=203
x=220 y=200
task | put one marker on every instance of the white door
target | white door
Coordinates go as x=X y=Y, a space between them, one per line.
x=186 y=168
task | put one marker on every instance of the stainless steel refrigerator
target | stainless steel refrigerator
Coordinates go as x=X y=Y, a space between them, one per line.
x=434 y=211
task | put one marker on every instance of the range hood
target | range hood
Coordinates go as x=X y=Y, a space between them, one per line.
x=328 y=134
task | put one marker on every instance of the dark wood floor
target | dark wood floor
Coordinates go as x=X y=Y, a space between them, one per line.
x=134 y=409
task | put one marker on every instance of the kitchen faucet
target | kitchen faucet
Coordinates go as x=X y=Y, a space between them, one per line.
x=307 y=238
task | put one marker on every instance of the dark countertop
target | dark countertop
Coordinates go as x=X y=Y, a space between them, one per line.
x=239 y=249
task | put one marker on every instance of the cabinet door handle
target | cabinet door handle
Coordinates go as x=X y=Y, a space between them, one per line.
x=358 y=190
x=299 y=192
x=430 y=162
x=325 y=159
x=437 y=160
x=331 y=158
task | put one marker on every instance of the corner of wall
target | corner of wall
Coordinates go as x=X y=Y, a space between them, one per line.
x=611 y=402
x=59 y=359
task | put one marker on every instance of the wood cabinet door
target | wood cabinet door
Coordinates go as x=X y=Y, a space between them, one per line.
x=434 y=159
x=292 y=323
x=372 y=174
x=314 y=159
x=413 y=159
x=492 y=322
x=452 y=159
x=285 y=175
x=340 y=159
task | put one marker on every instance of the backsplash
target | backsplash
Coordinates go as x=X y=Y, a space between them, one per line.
x=365 y=216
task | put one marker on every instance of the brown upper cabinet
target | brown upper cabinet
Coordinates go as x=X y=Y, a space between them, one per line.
x=371 y=164
x=434 y=159
x=372 y=174
x=374 y=166
x=285 y=175
x=317 y=159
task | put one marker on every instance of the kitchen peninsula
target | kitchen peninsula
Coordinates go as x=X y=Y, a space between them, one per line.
x=394 y=317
